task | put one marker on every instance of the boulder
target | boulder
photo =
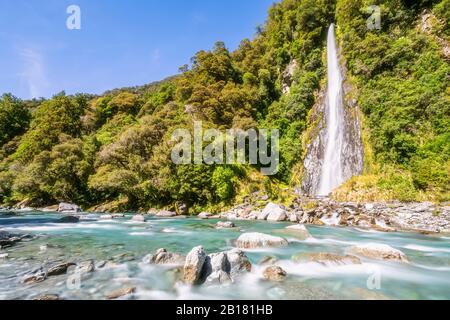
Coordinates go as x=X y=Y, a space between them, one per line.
x=68 y=208
x=106 y=217
x=59 y=269
x=225 y=225
x=274 y=273
x=166 y=214
x=204 y=215
x=162 y=257
x=120 y=293
x=138 y=218
x=276 y=213
x=214 y=269
x=36 y=276
x=273 y=212
x=379 y=252
x=118 y=216
x=193 y=265
x=85 y=267
x=69 y=219
x=299 y=231
x=293 y=218
x=238 y=263
x=326 y=259
x=259 y=240
x=225 y=267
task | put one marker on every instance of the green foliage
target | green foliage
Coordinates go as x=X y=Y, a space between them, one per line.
x=14 y=117
x=222 y=181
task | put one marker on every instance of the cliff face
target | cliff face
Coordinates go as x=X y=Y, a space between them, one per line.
x=352 y=151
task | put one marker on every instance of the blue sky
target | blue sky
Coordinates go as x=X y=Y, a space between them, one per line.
x=121 y=42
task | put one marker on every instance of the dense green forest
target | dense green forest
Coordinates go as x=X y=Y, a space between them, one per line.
x=115 y=149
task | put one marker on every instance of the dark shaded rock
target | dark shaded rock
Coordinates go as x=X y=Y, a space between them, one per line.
x=59 y=269
x=69 y=219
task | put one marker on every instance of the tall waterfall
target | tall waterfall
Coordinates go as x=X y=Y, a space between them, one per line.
x=332 y=174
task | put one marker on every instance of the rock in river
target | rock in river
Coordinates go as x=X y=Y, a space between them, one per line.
x=326 y=259
x=36 y=276
x=68 y=208
x=138 y=218
x=193 y=265
x=274 y=273
x=225 y=225
x=162 y=256
x=166 y=214
x=298 y=231
x=120 y=293
x=259 y=240
x=59 y=269
x=379 y=252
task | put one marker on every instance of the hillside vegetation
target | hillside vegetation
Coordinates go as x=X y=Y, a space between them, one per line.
x=115 y=149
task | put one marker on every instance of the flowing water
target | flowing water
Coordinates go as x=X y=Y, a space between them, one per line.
x=124 y=243
x=332 y=169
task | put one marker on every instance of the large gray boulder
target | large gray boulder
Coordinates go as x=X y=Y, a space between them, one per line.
x=194 y=265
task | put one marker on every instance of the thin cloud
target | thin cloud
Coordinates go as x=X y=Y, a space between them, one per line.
x=34 y=72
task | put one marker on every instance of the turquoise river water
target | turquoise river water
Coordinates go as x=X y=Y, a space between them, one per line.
x=124 y=243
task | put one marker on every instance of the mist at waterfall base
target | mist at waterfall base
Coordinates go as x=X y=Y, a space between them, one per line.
x=332 y=169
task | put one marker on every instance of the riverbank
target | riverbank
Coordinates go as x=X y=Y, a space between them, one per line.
x=424 y=217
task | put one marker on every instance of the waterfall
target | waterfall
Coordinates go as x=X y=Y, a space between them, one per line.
x=332 y=173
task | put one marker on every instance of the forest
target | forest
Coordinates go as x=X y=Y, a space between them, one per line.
x=115 y=149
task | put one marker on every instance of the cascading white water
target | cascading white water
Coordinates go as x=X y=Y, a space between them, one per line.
x=332 y=168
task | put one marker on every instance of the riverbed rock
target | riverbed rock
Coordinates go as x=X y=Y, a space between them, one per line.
x=204 y=215
x=259 y=240
x=225 y=225
x=121 y=293
x=293 y=218
x=166 y=214
x=193 y=265
x=59 y=269
x=36 y=276
x=162 y=257
x=85 y=267
x=138 y=218
x=379 y=252
x=106 y=217
x=326 y=259
x=299 y=231
x=267 y=260
x=68 y=208
x=69 y=219
x=225 y=267
x=239 y=263
x=276 y=213
x=274 y=273
x=118 y=216
x=214 y=269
